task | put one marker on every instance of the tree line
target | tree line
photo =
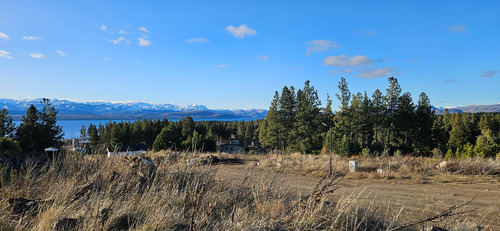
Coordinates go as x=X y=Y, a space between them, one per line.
x=381 y=123
x=38 y=129
x=185 y=134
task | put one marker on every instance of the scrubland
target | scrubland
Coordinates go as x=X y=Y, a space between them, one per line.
x=182 y=191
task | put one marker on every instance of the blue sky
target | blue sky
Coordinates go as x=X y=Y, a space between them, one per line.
x=235 y=54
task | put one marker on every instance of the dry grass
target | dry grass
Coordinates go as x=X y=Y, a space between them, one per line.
x=406 y=167
x=97 y=193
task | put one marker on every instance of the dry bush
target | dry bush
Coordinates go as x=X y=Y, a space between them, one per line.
x=97 y=193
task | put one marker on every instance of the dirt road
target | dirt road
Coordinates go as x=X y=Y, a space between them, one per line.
x=419 y=199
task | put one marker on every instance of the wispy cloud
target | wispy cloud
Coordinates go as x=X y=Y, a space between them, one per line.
x=31 y=37
x=144 y=43
x=120 y=40
x=61 y=53
x=122 y=32
x=379 y=72
x=222 y=66
x=143 y=29
x=488 y=73
x=458 y=29
x=262 y=57
x=370 y=33
x=346 y=71
x=5 y=54
x=196 y=40
x=37 y=55
x=4 y=36
x=344 y=60
x=241 y=31
x=383 y=59
x=321 y=45
x=103 y=27
x=107 y=58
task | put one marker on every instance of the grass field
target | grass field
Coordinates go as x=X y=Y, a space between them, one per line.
x=182 y=193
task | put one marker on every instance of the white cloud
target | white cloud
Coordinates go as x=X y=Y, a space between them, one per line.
x=196 y=40
x=107 y=58
x=344 y=60
x=262 y=57
x=122 y=32
x=222 y=66
x=37 y=55
x=103 y=27
x=458 y=29
x=143 y=29
x=5 y=54
x=144 y=43
x=489 y=73
x=321 y=45
x=31 y=38
x=241 y=31
x=371 y=74
x=4 y=36
x=120 y=40
x=346 y=71
x=61 y=53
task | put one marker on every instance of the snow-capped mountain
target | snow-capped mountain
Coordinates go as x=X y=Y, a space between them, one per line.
x=69 y=109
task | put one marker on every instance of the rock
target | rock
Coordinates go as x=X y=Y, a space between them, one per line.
x=67 y=224
x=441 y=165
x=278 y=164
x=208 y=160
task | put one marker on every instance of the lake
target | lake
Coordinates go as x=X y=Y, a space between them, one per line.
x=72 y=128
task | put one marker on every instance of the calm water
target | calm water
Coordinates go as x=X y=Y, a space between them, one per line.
x=72 y=128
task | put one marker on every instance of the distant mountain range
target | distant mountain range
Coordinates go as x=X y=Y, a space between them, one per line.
x=471 y=109
x=69 y=110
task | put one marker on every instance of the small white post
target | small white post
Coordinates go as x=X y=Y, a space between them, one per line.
x=353 y=166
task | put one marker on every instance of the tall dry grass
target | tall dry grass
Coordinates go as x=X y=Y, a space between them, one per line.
x=97 y=193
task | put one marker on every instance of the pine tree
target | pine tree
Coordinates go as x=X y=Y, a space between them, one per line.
x=404 y=118
x=28 y=132
x=286 y=114
x=308 y=119
x=424 y=121
x=7 y=128
x=168 y=138
x=378 y=112
x=51 y=133
x=391 y=101
x=93 y=135
x=268 y=135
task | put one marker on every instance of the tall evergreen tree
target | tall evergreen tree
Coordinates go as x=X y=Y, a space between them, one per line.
x=51 y=133
x=286 y=114
x=268 y=136
x=308 y=119
x=391 y=100
x=28 y=132
x=7 y=128
x=424 y=121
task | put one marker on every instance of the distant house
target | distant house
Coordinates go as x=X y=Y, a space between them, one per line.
x=233 y=147
x=127 y=150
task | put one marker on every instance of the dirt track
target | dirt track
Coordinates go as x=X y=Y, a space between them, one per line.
x=419 y=199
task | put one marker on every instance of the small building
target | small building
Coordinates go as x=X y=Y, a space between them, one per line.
x=127 y=150
x=233 y=147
